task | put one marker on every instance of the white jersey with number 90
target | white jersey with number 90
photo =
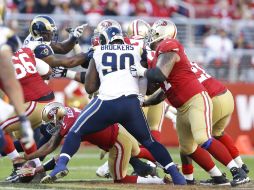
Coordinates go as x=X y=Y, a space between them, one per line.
x=113 y=63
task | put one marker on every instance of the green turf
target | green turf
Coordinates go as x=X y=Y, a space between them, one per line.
x=83 y=166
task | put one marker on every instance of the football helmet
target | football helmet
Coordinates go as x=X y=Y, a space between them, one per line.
x=138 y=29
x=111 y=34
x=162 y=29
x=44 y=27
x=103 y=25
x=53 y=115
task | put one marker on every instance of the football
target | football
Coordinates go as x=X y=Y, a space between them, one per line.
x=27 y=178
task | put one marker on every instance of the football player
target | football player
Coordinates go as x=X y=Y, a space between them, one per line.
x=172 y=69
x=108 y=71
x=115 y=139
x=36 y=94
x=223 y=107
x=137 y=32
x=8 y=83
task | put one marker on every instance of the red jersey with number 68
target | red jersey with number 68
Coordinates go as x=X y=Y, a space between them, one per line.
x=182 y=83
x=213 y=86
x=25 y=67
x=104 y=139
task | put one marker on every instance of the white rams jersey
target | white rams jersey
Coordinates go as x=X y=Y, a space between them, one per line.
x=32 y=43
x=113 y=63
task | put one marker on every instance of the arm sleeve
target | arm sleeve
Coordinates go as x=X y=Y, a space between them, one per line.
x=43 y=51
x=42 y=67
x=89 y=56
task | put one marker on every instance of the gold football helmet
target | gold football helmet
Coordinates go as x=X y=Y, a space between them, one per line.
x=43 y=26
x=138 y=29
x=53 y=115
x=162 y=29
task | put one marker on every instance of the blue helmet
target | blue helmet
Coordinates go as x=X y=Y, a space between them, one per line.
x=43 y=26
x=111 y=34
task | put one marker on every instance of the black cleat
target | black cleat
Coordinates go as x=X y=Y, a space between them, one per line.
x=191 y=182
x=14 y=177
x=216 y=180
x=245 y=168
x=239 y=176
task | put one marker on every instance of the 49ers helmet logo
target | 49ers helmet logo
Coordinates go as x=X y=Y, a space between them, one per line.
x=52 y=113
x=163 y=23
x=106 y=24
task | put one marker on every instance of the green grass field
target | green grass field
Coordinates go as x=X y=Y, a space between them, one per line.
x=82 y=174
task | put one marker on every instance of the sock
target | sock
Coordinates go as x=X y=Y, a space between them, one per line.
x=187 y=170
x=30 y=150
x=71 y=144
x=144 y=153
x=18 y=146
x=215 y=172
x=9 y=146
x=202 y=158
x=232 y=164
x=219 y=152
x=49 y=165
x=229 y=144
x=156 y=135
x=63 y=159
x=239 y=161
x=13 y=155
x=127 y=179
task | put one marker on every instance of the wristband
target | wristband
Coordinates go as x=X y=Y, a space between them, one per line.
x=71 y=74
x=83 y=77
x=22 y=118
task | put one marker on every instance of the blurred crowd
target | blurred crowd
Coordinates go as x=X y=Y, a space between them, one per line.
x=219 y=40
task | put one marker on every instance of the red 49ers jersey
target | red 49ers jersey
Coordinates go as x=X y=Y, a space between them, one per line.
x=213 y=86
x=182 y=83
x=104 y=139
x=25 y=67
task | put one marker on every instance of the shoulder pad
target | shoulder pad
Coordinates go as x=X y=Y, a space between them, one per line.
x=42 y=51
x=167 y=46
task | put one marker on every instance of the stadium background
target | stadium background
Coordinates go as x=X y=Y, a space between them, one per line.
x=218 y=34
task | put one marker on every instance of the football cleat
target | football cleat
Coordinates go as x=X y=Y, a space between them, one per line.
x=14 y=177
x=239 y=176
x=245 y=168
x=51 y=179
x=216 y=180
x=191 y=182
x=103 y=171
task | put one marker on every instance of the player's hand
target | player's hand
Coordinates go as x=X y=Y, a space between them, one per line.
x=137 y=70
x=27 y=132
x=78 y=31
x=26 y=170
x=58 y=72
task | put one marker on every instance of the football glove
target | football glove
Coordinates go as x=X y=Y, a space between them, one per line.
x=26 y=171
x=137 y=70
x=58 y=72
x=78 y=31
x=27 y=132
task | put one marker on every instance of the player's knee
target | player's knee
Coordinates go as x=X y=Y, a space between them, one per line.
x=207 y=144
x=187 y=149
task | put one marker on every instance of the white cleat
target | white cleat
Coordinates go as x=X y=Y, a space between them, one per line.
x=103 y=171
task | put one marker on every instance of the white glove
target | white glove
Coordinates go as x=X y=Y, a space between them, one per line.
x=78 y=31
x=26 y=171
x=58 y=72
x=27 y=132
x=137 y=70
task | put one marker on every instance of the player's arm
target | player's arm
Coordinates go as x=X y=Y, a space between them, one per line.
x=47 y=148
x=43 y=68
x=92 y=79
x=10 y=84
x=164 y=66
x=155 y=98
x=68 y=62
x=67 y=45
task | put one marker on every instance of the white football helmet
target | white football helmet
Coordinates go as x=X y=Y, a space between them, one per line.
x=104 y=24
x=53 y=115
x=138 y=29
x=161 y=30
